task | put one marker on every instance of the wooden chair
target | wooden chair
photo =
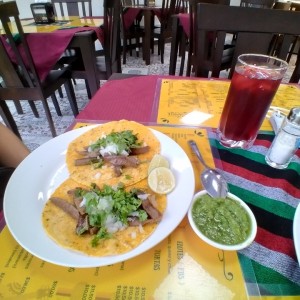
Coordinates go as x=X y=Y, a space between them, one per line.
x=254 y=30
x=64 y=8
x=294 y=7
x=182 y=43
x=133 y=32
x=108 y=60
x=111 y=62
x=20 y=78
x=164 y=31
x=282 y=5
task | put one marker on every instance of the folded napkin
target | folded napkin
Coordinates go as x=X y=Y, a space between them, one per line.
x=273 y=196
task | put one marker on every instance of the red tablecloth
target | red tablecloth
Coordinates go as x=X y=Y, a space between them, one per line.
x=47 y=48
x=129 y=15
x=184 y=20
x=131 y=99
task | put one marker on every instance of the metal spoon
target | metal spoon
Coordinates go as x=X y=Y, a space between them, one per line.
x=211 y=179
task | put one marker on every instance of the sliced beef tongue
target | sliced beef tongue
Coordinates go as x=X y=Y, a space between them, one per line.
x=82 y=224
x=66 y=207
x=139 y=150
x=78 y=205
x=122 y=160
x=151 y=210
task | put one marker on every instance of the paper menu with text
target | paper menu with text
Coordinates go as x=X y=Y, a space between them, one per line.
x=180 y=265
x=200 y=102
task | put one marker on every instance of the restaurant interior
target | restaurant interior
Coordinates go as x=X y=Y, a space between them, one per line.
x=68 y=66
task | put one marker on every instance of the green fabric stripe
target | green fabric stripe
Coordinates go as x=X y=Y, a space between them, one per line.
x=268 y=280
x=275 y=207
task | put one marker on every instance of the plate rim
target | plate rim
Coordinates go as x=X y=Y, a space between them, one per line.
x=296 y=230
x=95 y=261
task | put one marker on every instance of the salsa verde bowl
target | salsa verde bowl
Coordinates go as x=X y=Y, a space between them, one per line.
x=226 y=226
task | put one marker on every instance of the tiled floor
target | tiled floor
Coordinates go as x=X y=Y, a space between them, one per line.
x=35 y=131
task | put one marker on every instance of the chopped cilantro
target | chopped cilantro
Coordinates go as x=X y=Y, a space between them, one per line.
x=109 y=208
x=102 y=234
x=124 y=140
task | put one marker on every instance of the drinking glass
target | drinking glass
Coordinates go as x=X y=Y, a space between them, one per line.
x=254 y=83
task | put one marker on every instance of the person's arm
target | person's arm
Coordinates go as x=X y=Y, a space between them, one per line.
x=12 y=149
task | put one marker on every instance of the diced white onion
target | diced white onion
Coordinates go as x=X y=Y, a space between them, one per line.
x=109 y=149
x=133 y=234
x=143 y=196
x=83 y=202
x=141 y=229
x=97 y=175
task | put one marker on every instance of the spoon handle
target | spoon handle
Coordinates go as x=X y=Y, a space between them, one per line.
x=196 y=150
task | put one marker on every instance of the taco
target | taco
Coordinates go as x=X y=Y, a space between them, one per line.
x=118 y=151
x=101 y=222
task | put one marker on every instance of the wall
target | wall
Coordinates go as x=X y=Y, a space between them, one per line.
x=97 y=7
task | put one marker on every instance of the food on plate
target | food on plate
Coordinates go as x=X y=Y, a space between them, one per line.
x=161 y=180
x=223 y=220
x=118 y=151
x=158 y=160
x=99 y=222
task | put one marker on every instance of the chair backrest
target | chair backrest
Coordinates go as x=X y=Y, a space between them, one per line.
x=282 y=5
x=192 y=12
x=257 y=3
x=295 y=6
x=82 y=8
x=169 y=8
x=112 y=40
x=16 y=64
x=253 y=28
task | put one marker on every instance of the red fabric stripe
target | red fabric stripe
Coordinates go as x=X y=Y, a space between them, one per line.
x=259 y=178
x=275 y=242
x=264 y=143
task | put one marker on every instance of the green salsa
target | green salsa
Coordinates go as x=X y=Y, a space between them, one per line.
x=222 y=220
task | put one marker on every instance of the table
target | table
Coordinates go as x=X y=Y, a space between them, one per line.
x=83 y=41
x=184 y=109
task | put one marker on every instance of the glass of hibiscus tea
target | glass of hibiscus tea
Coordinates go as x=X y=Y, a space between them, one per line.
x=254 y=83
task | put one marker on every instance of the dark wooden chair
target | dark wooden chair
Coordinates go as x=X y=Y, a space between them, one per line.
x=254 y=30
x=182 y=42
x=282 y=5
x=20 y=78
x=163 y=32
x=108 y=60
x=133 y=32
x=81 y=8
x=111 y=61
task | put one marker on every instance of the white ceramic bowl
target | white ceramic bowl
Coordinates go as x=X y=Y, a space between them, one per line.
x=235 y=247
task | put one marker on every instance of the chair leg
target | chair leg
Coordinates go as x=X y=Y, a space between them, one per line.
x=88 y=89
x=8 y=118
x=124 y=50
x=60 y=92
x=49 y=117
x=33 y=108
x=18 y=107
x=56 y=105
x=71 y=97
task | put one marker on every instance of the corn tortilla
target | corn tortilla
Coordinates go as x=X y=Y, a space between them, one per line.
x=105 y=175
x=61 y=227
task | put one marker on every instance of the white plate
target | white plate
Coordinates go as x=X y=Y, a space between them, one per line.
x=44 y=169
x=296 y=231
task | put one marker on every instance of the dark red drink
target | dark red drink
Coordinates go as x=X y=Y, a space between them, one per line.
x=249 y=98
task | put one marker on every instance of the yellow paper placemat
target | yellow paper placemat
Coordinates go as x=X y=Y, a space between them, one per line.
x=200 y=102
x=180 y=267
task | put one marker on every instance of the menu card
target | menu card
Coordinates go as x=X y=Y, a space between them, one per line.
x=180 y=267
x=200 y=102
